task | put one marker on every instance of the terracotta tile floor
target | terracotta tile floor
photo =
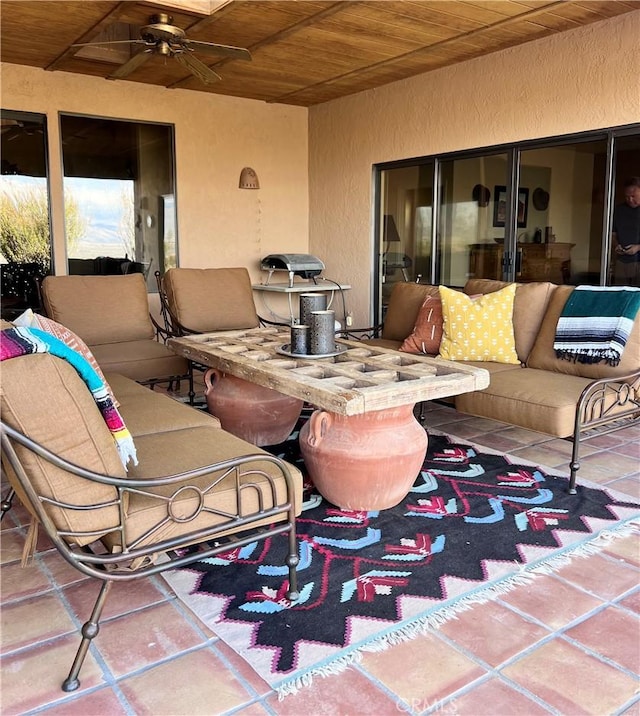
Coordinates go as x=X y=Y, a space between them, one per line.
x=566 y=644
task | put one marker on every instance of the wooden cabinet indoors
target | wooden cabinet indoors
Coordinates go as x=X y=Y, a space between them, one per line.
x=537 y=262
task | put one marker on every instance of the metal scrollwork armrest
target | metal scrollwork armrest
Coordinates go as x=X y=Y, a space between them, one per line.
x=605 y=405
x=359 y=334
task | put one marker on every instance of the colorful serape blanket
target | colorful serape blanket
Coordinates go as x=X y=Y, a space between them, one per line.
x=595 y=323
x=17 y=341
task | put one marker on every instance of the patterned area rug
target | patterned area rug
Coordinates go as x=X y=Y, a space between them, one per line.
x=475 y=525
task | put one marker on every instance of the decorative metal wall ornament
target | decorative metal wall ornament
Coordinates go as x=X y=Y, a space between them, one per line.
x=481 y=194
x=248 y=179
x=540 y=199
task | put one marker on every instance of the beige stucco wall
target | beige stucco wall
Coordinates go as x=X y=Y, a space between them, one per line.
x=218 y=224
x=577 y=81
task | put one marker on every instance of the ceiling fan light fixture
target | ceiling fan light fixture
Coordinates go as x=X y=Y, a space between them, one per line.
x=248 y=179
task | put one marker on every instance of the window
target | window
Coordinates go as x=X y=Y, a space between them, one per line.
x=119 y=194
x=25 y=238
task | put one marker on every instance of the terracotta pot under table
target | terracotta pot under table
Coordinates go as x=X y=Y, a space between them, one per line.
x=364 y=462
x=258 y=415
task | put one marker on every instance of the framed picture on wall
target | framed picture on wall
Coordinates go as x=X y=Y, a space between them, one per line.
x=500 y=206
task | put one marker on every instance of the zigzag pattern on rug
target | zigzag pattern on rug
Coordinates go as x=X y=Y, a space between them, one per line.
x=475 y=525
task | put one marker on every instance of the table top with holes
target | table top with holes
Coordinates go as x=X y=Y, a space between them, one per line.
x=361 y=379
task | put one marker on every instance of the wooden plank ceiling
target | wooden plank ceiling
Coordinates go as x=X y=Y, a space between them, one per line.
x=303 y=53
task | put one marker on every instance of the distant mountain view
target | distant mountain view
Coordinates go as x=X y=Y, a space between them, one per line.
x=106 y=208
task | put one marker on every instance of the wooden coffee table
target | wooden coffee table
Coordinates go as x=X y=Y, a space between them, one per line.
x=362 y=447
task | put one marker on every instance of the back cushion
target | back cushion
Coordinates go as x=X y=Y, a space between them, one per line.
x=43 y=397
x=100 y=309
x=529 y=308
x=205 y=300
x=404 y=305
x=544 y=357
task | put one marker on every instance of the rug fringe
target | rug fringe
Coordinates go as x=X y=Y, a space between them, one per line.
x=587 y=549
x=334 y=667
x=525 y=575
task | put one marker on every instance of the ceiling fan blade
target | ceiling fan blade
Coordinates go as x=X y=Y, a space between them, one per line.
x=130 y=65
x=109 y=42
x=199 y=69
x=212 y=48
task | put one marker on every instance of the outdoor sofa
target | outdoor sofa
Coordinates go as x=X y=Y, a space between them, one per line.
x=540 y=391
x=194 y=484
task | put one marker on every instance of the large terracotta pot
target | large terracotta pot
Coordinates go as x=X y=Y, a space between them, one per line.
x=364 y=462
x=258 y=415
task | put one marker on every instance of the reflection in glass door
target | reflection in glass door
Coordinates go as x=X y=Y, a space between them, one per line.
x=406 y=225
x=562 y=239
x=473 y=217
x=625 y=270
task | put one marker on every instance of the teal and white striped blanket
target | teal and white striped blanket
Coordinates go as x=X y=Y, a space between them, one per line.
x=595 y=323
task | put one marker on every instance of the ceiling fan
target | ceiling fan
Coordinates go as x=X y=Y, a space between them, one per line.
x=160 y=37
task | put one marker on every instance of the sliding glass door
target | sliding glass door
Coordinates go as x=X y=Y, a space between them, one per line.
x=405 y=227
x=537 y=211
x=472 y=221
x=562 y=241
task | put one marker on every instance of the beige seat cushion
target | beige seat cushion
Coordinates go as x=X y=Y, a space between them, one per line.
x=71 y=427
x=149 y=412
x=543 y=356
x=493 y=367
x=140 y=360
x=529 y=308
x=100 y=309
x=207 y=300
x=187 y=449
x=404 y=305
x=533 y=399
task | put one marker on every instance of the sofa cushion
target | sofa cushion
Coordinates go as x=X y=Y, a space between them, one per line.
x=211 y=299
x=382 y=343
x=148 y=412
x=533 y=399
x=29 y=319
x=182 y=450
x=404 y=305
x=140 y=360
x=529 y=307
x=427 y=332
x=100 y=309
x=480 y=329
x=543 y=356
x=71 y=427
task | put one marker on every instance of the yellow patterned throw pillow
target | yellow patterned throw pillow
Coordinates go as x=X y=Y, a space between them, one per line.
x=479 y=329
